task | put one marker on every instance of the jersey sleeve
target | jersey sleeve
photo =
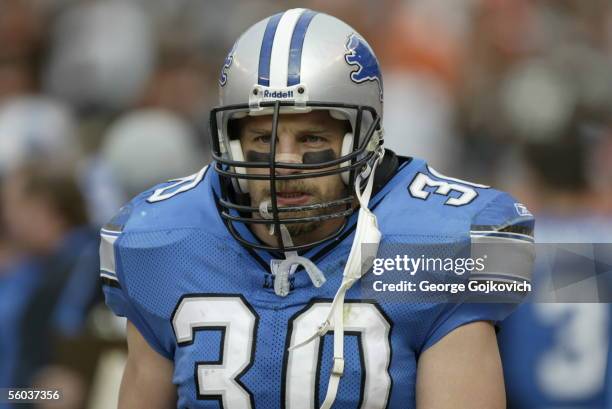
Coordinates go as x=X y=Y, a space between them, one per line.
x=502 y=234
x=115 y=288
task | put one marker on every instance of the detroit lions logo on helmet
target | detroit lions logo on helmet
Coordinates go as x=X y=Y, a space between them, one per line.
x=226 y=65
x=359 y=54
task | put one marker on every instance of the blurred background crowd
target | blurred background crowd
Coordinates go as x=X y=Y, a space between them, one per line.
x=101 y=99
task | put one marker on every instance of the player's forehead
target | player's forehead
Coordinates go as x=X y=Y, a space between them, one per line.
x=311 y=120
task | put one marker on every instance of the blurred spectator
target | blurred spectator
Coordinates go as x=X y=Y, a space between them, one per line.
x=21 y=27
x=36 y=126
x=555 y=353
x=102 y=55
x=18 y=281
x=599 y=166
x=21 y=47
x=46 y=217
x=16 y=78
x=74 y=390
x=148 y=147
x=419 y=120
x=180 y=84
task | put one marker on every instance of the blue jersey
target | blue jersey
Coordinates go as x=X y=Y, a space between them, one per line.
x=42 y=297
x=206 y=303
x=555 y=355
x=18 y=283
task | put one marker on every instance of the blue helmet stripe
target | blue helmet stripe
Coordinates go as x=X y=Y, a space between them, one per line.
x=265 y=53
x=295 y=49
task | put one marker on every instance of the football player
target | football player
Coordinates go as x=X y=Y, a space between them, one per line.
x=556 y=354
x=555 y=350
x=238 y=281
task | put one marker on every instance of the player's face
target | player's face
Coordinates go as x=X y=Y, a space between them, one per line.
x=301 y=138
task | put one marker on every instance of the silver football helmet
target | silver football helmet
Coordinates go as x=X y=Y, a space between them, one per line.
x=296 y=62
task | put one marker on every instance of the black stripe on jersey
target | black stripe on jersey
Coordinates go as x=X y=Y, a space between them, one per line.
x=112 y=228
x=109 y=282
x=513 y=228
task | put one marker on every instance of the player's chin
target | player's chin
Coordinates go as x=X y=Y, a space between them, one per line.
x=299 y=229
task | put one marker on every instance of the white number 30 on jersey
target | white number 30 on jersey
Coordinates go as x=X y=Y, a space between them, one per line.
x=464 y=192
x=238 y=322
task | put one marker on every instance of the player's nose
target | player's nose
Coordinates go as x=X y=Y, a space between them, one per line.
x=286 y=143
x=287 y=158
x=287 y=152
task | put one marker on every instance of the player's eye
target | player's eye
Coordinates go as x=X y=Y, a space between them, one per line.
x=262 y=138
x=313 y=139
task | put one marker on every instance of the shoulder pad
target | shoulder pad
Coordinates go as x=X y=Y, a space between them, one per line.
x=177 y=203
x=423 y=200
x=504 y=213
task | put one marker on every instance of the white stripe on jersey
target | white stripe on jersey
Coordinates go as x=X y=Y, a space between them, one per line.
x=501 y=235
x=107 y=254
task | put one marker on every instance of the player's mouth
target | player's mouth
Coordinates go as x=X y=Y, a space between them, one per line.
x=297 y=198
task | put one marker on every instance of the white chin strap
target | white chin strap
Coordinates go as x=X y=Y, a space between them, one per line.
x=236 y=151
x=366 y=232
x=237 y=155
x=347 y=147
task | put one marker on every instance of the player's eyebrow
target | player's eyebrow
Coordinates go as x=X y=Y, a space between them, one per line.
x=259 y=131
x=313 y=130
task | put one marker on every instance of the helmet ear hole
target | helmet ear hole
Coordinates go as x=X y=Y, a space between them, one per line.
x=347 y=148
x=237 y=155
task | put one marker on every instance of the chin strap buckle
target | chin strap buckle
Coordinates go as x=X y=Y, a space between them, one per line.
x=338 y=367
